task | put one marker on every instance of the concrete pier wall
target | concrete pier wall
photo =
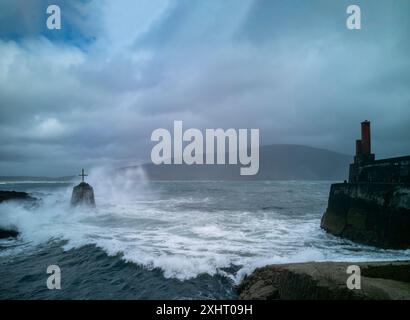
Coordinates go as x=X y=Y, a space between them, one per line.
x=371 y=213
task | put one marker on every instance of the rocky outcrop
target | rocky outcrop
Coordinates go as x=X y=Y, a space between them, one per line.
x=13 y=195
x=83 y=194
x=327 y=281
x=4 y=234
x=376 y=214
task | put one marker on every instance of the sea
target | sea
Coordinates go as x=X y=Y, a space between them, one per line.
x=164 y=239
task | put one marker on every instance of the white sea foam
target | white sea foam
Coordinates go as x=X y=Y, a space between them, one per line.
x=135 y=219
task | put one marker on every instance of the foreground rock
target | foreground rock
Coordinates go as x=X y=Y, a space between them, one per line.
x=83 y=195
x=327 y=281
x=371 y=213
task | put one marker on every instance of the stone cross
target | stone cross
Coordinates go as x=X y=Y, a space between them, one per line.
x=82 y=175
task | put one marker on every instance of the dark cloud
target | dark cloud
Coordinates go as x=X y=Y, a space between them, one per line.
x=289 y=68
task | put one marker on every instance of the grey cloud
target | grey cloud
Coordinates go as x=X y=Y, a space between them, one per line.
x=289 y=68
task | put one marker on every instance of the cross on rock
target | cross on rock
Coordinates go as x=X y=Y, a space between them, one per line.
x=82 y=175
x=83 y=194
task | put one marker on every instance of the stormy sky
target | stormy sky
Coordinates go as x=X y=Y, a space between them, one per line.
x=91 y=93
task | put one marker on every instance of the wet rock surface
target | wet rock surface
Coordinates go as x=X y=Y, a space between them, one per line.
x=83 y=195
x=4 y=234
x=376 y=214
x=327 y=281
x=13 y=195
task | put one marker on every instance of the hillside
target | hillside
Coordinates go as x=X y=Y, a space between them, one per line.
x=277 y=162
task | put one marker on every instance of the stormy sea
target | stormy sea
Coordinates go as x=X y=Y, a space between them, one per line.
x=164 y=239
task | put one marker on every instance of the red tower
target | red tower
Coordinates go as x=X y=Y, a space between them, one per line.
x=358 y=147
x=366 y=139
x=363 y=147
x=364 y=154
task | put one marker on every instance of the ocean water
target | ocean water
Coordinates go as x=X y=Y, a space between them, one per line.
x=163 y=239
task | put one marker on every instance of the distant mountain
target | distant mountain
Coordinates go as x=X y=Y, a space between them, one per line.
x=277 y=162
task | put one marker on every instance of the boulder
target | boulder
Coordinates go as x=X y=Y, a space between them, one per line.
x=83 y=195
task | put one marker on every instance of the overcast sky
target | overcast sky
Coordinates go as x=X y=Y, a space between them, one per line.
x=91 y=93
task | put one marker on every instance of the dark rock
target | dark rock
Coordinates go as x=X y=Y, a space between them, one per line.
x=4 y=234
x=83 y=194
x=327 y=281
x=371 y=213
x=13 y=195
